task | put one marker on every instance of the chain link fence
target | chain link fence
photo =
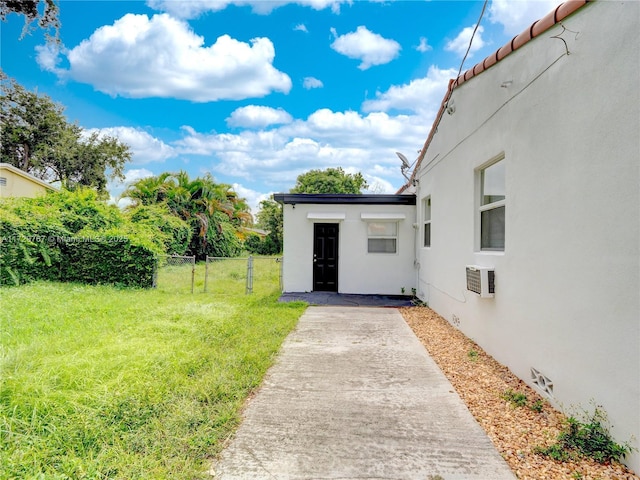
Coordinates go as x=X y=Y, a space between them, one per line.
x=236 y=276
x=219 y=275
x=175 y=273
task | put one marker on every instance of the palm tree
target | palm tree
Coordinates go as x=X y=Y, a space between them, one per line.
x=203 y=203
x=149 y=190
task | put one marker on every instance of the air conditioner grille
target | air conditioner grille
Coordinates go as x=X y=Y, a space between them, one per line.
x=491 y=276
x=473 y=281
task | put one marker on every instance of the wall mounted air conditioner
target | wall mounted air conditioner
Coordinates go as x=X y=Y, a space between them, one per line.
x=481 y=280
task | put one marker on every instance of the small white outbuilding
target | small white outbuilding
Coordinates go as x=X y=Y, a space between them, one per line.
x=361 y=244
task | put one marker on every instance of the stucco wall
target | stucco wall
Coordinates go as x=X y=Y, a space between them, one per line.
x=19 y=186
x=358 y=271
x=567 y=296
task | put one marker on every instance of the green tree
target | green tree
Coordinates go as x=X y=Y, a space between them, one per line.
x=213 y=210
x=45 y=12
x=36 y=137
x=269 y=218
x=331 y=180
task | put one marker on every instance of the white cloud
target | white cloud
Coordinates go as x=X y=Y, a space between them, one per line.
x=144 y=147
x=194 y=8
x=253 y=116
x=460 y=44
x=48 y=57
x=326 y=138
x=311 y=82
x=423 y=46
x=515 y=18
x=116 y=187
x=301 y=28
x=371 y=48
x=140 y=57
x=422 y=95
x=135 y=174
x=252 y=197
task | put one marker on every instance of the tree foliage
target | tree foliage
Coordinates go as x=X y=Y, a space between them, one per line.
x=37 y=138
x=213 y=210
x=331 y=180
x=269 y=218
x=44 y=12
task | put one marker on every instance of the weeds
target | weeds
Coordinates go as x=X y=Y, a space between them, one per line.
x=590 y=438
x=472 y=355
x=517 y=399
x=537 y=406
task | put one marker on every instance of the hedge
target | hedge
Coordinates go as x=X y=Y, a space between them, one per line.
x=38 y=242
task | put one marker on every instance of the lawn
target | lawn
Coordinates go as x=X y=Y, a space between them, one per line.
x=100 y=382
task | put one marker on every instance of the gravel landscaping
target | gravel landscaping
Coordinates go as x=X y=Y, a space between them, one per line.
x=515 y=430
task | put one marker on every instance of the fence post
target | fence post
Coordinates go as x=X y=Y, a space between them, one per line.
x=249 y=288
x=280 y=261
x=193 y=272
x=156 y=267
x=206 y=272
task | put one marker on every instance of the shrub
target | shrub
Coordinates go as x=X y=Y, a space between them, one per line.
x=28 y=247
x=111 y=257
x=176 y=233
x=39 y=240
x=79 y=209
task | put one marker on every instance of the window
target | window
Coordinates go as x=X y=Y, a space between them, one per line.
x=3 y=181
x=492 y=206
x=382 y=237
x=426 y=215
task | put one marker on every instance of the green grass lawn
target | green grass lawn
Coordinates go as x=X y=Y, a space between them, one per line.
x=100 y=382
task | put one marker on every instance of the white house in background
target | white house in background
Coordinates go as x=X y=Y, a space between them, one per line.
x=18 y=183
x=349 y=243
x=528 y=192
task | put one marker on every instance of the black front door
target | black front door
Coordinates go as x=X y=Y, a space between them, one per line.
x=325 y=257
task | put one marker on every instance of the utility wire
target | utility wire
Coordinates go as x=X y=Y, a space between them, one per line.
x=484 y=7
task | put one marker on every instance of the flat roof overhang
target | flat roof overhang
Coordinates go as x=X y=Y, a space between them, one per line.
x=343 y=198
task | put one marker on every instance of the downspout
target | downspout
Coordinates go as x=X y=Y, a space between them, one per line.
x=416 y=240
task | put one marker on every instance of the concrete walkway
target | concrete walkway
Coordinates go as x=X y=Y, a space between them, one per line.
x=354 y=395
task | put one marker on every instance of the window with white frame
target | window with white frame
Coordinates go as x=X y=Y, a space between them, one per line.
x=382 y=237
x=492 y=206
x=426 y=216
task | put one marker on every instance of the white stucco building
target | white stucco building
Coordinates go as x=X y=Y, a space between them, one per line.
x=349 y=243
x=531 y=171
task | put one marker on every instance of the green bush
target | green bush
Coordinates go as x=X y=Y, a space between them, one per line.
x=28 y=247
x=265 y=246
x=40 y=241
x=111 y=257
x=176 y=233
x=221 y=239
x=79 y=209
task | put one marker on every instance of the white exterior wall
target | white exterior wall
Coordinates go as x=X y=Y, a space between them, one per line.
x=358 y=271
x=567 y=296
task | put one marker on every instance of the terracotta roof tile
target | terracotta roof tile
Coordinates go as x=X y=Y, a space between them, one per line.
x=545 y=23
x=521 y=39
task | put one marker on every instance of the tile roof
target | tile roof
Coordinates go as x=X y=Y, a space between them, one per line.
x=558 y=14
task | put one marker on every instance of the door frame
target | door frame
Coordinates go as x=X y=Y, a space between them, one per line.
x=337 y=251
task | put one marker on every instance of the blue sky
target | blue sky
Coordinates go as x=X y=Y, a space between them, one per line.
x=254 y=91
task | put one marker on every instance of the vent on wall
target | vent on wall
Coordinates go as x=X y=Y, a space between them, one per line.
x=542 y=382
x=481 y=280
